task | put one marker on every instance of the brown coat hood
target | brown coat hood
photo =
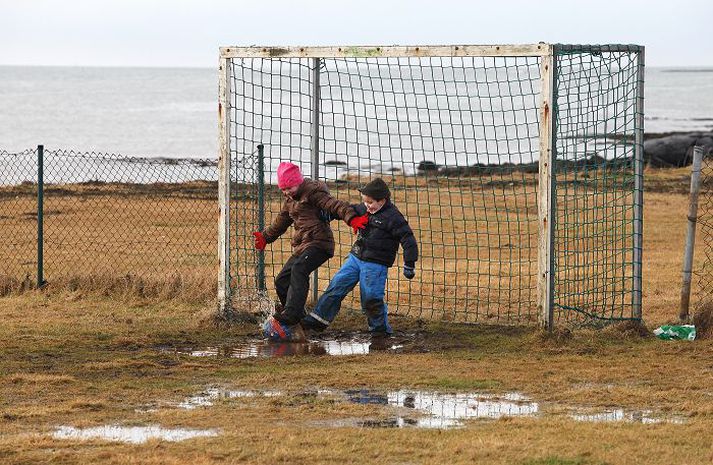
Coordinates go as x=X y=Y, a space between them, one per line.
x=303 y=211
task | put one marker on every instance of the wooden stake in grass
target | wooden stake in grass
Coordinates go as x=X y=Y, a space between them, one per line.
x=691 y=233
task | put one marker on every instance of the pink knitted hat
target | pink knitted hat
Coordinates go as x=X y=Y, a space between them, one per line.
x=288 y=175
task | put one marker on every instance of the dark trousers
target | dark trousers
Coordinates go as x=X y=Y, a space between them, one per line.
x=292 y=283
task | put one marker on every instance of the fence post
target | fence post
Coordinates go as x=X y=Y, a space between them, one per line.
x=40 y=216
x=224 y=298
x=316 y=63
x=546 y=193
x=260 y=278
x=691 y=233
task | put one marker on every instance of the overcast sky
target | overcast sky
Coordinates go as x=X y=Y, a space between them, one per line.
x=188 y=33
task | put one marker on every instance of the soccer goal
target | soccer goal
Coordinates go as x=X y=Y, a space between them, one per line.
x=519 y=168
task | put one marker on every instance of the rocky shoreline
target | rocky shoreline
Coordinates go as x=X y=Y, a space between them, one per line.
x=675 y=149
x=661 y=150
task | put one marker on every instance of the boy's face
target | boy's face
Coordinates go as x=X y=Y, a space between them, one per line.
x=290 y=191
x=372 y=206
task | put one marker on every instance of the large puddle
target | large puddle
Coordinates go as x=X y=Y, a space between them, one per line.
x=646 y=417
x=426 y=409
x=436 y=410
x=209 y=396
x=131 y=434
x=419 y=409
x=260 y=348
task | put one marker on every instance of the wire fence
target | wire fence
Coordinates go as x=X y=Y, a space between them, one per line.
x=141 y=225
x=704 y=239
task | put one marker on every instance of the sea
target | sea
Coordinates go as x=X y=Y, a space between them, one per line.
x=172 y=112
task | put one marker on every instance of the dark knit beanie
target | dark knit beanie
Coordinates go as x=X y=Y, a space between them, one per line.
x=376 y=189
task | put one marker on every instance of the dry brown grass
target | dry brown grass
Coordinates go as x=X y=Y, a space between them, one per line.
x=703 y=320
x=94 y=361
x=478 y=236
x=86 y=352
x=128 y=241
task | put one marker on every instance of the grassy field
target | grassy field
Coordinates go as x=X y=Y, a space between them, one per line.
x=91 y=354
x=478 y=241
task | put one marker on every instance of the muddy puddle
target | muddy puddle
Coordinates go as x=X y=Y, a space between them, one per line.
x=425 y=409
x=132 y=434
x=209 y=396
x=418 y=409
x=259 y=348
x=646 y=417
x=437 y=410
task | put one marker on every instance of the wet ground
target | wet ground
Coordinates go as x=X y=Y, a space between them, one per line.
x=393 y=409
x=131 y=434
x=427 y=409
x=403 y=408
x=334 y=345
x=439 y=410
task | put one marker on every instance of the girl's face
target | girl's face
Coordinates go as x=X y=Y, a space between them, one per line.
x=290 y=191
x=372 y=206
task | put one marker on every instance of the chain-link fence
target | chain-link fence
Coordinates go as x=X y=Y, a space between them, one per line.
x=109 y=222
x=18 y=218
x=703 y=297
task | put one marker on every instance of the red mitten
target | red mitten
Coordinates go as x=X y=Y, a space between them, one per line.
x=260 y=241
x=359 y=222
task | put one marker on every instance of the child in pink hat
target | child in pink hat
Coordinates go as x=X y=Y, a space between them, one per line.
x=312 y=244
x=288 y=175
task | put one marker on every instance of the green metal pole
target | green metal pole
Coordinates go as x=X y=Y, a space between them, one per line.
x=261 y=214
x=40 y=215
x=639 y=191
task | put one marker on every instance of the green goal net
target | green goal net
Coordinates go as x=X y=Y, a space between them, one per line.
x=470 y=139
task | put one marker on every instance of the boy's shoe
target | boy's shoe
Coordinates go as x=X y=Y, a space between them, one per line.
x=381 y=332
x=380 y=340
x=277 y=331
x=310 y=323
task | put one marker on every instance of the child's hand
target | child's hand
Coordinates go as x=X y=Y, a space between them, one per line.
x=359 y=222
x=260 y=241
x=409 y=270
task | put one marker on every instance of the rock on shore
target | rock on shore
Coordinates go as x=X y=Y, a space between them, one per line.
x=675 y=150
x=671 y=150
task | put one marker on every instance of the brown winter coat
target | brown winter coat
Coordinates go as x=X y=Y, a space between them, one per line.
x=304 y=212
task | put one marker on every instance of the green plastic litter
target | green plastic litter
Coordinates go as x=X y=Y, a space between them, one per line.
x=670 y=332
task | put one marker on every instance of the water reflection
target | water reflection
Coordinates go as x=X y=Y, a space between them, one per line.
x=264 y=349
x=131 y=434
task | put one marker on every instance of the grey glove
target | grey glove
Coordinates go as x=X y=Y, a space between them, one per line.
x=409 y=270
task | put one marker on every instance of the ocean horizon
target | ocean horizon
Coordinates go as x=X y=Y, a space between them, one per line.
x=172 y=112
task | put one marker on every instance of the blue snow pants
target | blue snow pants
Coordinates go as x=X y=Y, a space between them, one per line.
x=372 y=284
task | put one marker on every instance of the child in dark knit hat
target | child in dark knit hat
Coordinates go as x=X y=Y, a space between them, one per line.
x=373 y=252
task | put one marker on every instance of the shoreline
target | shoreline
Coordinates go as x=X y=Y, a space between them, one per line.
x=671 y=149
x=659 y=135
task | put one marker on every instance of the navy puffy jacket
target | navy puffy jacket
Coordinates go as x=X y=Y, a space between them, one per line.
x=380 y=240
